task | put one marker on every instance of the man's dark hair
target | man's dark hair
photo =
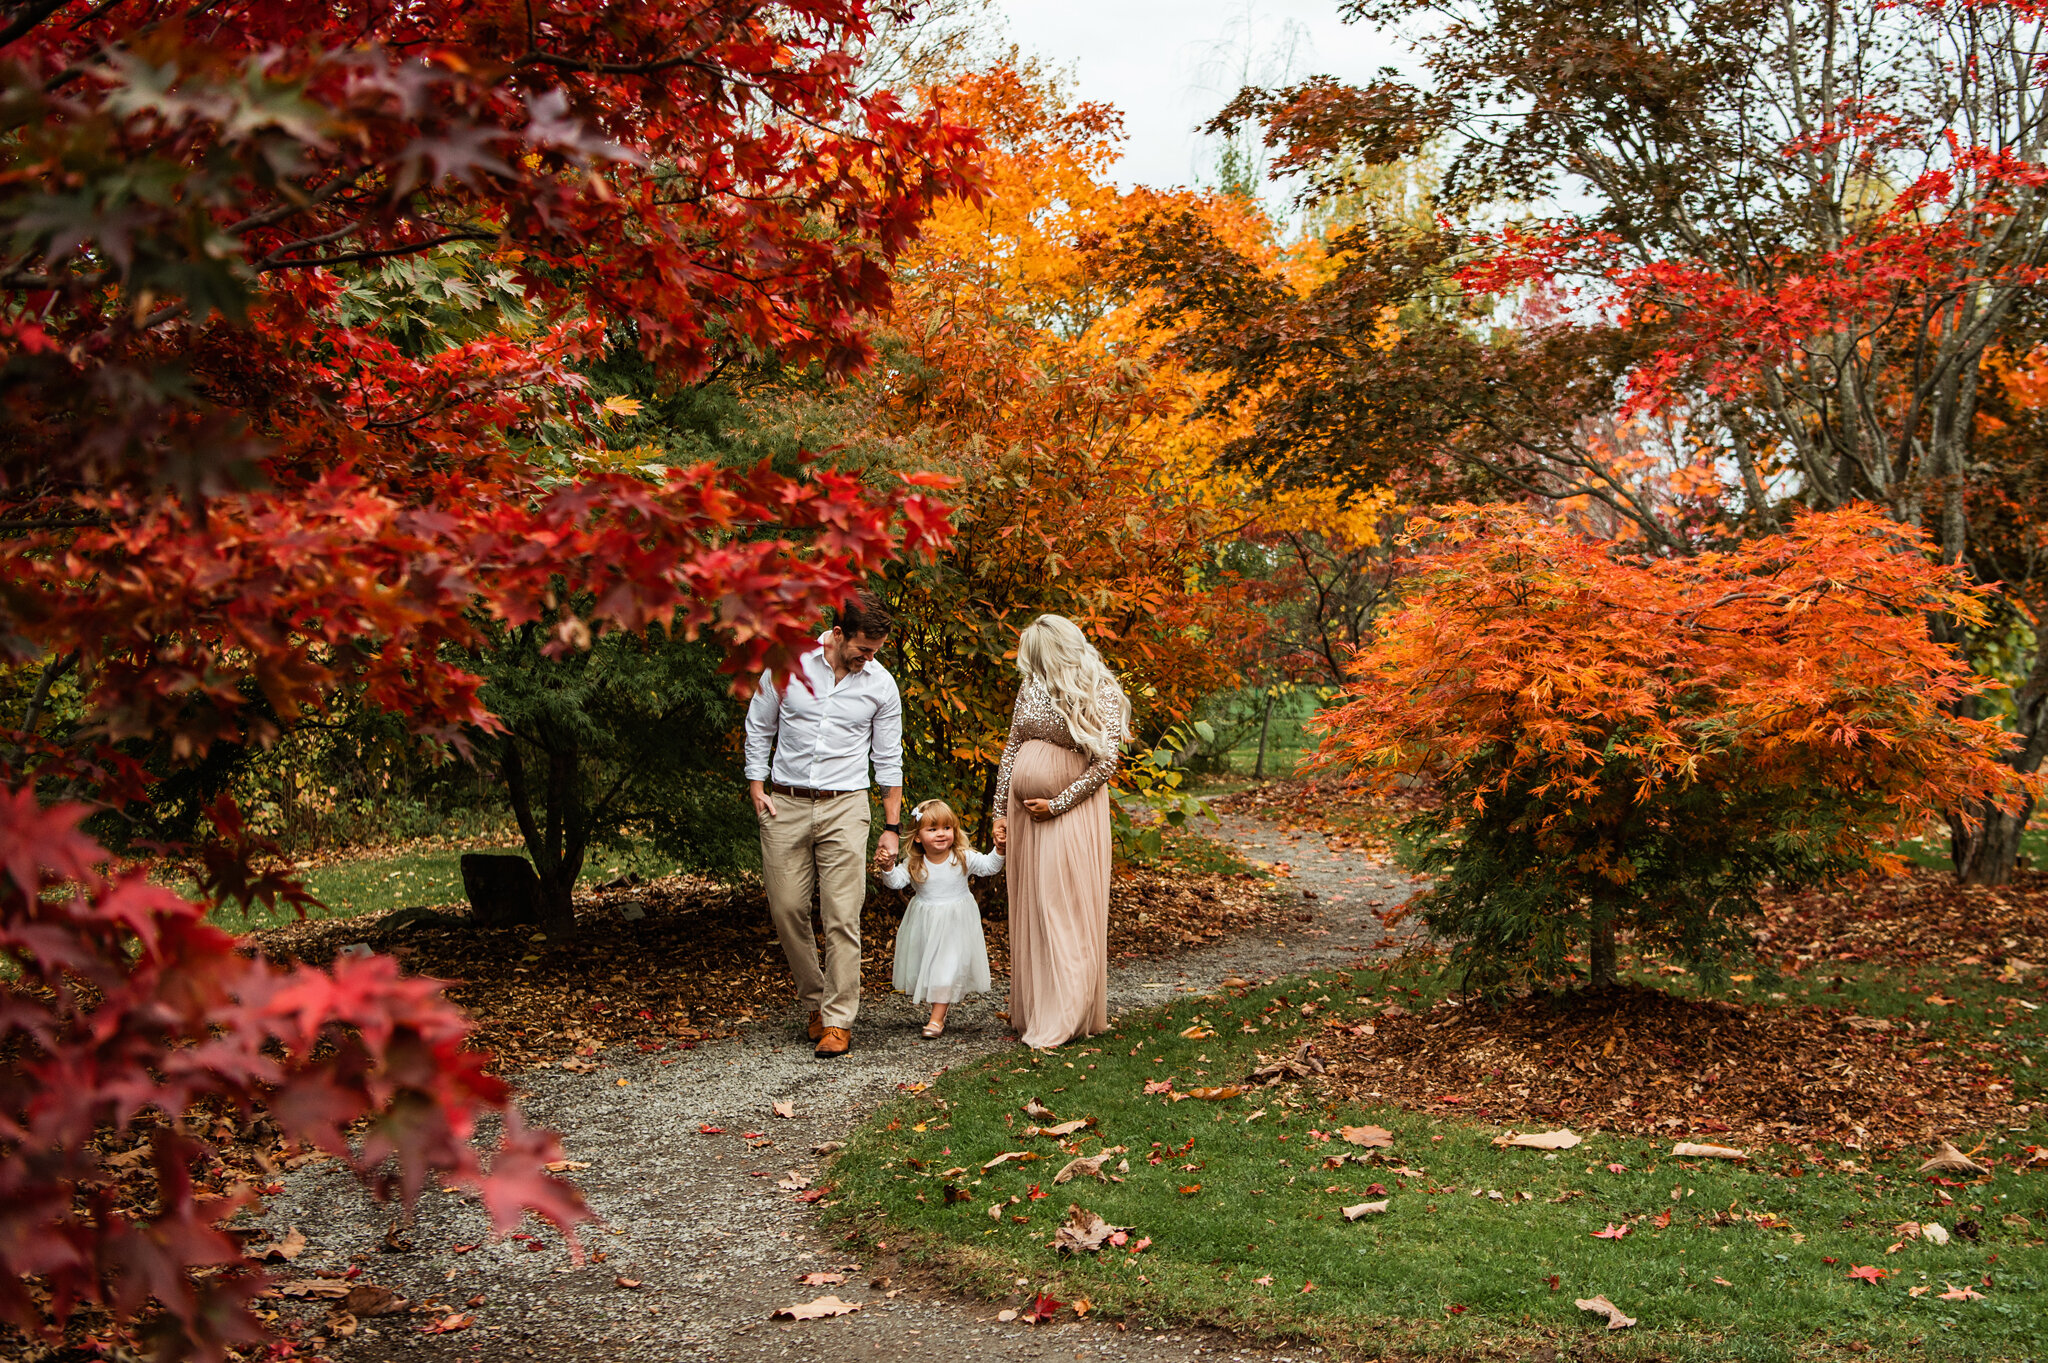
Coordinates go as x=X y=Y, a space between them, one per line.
x=865 y=614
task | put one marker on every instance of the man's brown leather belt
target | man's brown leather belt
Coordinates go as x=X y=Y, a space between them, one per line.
x=805 y=793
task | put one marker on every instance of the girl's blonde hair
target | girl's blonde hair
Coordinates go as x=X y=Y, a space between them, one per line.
x=930 y=814
x=1053 y=651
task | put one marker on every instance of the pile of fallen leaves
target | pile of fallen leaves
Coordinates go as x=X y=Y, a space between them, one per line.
x=1923 y=919
x=1351 y=816
x=702 y=958
x=1650 y=1063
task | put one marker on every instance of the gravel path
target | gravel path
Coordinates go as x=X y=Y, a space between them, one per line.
x=698 y=1220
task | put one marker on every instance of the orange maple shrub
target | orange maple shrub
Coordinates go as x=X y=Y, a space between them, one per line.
x=1639 y=744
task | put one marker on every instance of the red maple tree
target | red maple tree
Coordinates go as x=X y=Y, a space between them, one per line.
x=1639 y=743
x=222 y=502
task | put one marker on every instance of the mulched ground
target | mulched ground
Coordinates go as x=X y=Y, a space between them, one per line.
x=1650 y=1063
x=704 y=959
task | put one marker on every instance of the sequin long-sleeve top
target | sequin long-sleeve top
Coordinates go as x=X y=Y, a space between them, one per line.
x=1035 y=716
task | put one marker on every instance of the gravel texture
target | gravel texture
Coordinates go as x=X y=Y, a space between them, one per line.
x=698 y=1220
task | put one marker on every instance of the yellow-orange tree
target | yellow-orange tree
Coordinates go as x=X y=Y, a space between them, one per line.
x=1632 y=744
x=1016 y=366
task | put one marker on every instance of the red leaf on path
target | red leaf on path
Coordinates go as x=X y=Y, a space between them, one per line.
x=812 y=1196
x=1451 y=1098
x=1042 y=1309
x=710 y=1130
x=1611 y=1233
x=464 y=1249
x=1869 y=1273
x=1661 y=1220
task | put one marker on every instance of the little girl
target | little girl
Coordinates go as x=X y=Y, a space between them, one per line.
x=941 y=956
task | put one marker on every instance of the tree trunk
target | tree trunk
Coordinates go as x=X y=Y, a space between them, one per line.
x=1987 y=854
x=1265 y=723
x=1600 y=971
x=502 y=890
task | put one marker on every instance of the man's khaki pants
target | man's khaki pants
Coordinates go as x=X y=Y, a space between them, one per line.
x=819 y=845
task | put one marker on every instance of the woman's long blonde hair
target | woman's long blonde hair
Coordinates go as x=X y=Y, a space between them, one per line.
x=1052 y=650
x=931 y=814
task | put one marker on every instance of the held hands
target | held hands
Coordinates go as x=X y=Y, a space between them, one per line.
x=1002 y=836
x=885 y=853
x=1041 y=810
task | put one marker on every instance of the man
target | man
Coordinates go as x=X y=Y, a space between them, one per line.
x=823 y=728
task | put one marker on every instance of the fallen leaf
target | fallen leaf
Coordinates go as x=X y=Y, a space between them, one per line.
x=1540 y=1140
x=1216 y=1095
x=1198 y=1032
x=1006 y=1316
x=1613 y=1232
x=627 y=1282
x=816 y=1310
x=785 y=1108
x=448 y=1325
x=710 y=1130
x=1920 y=1291
x=1955 y=1293
x=821 y=1279
x=1364 y=1209
x=1159 y=1086
x=1006 y=1157
x=1042 y=1308
x=1039 y=1112
x=284 y=1251
x=370 y=1299
x=315 y=1287
x=1307 y=1287
x=1190 y=1189
x=1266 y=1281
x=1141 y=1244
x=828 y=1147
x=339 y=1324
x=1083 y=1231
x=794 y=1183
x=1949 y=1160
x=1661 y=1220
x=1372 y=1137
x=1062 y=1131
x=1724 y=1282
x=1869 y=1273
x=1688 y=1150
x=1089 y=1167
x=1082 y=1306
x=1600 y=1306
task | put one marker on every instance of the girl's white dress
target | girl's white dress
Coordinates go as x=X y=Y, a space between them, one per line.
x=941 y=956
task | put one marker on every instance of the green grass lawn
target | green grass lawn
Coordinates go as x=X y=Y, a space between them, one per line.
x=383 y=882
x=1243 y=1213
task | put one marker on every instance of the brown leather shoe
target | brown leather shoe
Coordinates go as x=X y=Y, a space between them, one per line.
x=817 y=1026
x=835 y=1042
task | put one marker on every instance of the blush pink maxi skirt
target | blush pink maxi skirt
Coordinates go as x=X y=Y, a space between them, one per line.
x=1058 y=874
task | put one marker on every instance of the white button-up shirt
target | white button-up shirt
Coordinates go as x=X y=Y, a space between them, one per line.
x=822 y=736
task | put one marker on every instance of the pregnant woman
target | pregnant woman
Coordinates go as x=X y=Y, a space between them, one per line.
x=1052 y=803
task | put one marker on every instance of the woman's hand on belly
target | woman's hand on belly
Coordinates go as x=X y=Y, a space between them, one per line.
x=1041 y=810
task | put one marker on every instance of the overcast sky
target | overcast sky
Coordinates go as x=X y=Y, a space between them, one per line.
x=1152 y=58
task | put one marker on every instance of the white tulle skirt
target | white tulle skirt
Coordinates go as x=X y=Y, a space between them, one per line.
x=941 y=956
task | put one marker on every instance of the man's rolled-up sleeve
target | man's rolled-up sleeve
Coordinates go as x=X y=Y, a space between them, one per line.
x=887 y=738
x=764 y=718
